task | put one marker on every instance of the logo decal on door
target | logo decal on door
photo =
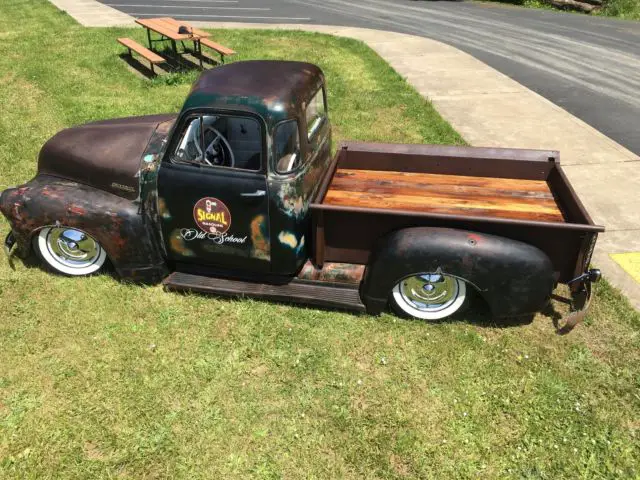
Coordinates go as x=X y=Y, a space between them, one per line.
x=211 y=215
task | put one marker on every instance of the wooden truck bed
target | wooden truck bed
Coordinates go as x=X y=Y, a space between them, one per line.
x=445 y=194
x=373 y=189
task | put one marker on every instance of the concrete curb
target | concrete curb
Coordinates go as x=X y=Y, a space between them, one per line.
x=489 y=109
x=90 y=13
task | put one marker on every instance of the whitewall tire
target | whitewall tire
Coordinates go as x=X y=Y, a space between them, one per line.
x=429 y=296
x=69 y=251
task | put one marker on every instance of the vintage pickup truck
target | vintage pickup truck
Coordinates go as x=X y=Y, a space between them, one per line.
x=238 y=194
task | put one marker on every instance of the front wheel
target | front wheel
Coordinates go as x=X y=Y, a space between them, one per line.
x=429 y=296
x=69 y=251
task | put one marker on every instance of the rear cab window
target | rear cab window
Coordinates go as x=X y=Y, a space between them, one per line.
x=316 y=113
x=286 y=143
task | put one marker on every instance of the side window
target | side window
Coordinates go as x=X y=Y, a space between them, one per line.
x=221 y=141
x=286 y=146
x=316 y=113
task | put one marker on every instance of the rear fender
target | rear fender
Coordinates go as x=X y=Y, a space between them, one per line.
x=514 y=278
x=113 y=221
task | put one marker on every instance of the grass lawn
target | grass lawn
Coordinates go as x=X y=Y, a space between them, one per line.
x=100 y=379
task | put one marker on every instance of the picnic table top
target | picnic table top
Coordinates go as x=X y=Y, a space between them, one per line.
x=168 y=27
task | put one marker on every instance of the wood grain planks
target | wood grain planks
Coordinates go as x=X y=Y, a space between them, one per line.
x=175 y=24
x=446 y=194
x=169 y=28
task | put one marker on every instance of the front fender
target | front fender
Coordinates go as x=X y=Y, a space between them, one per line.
x=513 y=277
x=113 y=221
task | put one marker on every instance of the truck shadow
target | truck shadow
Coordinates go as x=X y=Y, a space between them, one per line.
x=477 y=313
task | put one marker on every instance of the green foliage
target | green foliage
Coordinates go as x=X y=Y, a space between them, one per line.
x=627 y=9
x=100 y=379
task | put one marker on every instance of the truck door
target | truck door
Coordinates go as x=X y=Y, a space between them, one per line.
x=212 y=193
x=300 y=160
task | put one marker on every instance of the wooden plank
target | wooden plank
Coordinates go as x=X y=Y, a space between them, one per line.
x=435 y=205
x=405 y=186
x=442 y=179
x=164 y=23
x=177 y=24
x=463 y=195
x=450 y=194
x=399 y=199
x=162 y=29
x=217 y=47
x=140 y=50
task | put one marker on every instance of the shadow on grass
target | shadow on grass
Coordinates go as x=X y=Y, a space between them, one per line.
x=140 y=68
x=31 y=261
x=179 y=63
x=477 y=313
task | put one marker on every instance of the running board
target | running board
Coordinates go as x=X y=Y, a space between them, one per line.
x=297 y=291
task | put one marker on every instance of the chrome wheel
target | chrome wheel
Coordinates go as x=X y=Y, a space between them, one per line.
x=429 y=296
x=69 y=251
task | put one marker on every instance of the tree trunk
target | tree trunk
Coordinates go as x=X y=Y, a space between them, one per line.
x=598 y=3
x=582 y=5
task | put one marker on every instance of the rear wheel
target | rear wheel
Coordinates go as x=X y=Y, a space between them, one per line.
x=429 y=296
x=69 y=251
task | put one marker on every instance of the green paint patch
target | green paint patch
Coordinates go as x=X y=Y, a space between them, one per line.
x=630 y=262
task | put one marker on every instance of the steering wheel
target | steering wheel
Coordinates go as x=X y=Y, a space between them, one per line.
x=218 y=152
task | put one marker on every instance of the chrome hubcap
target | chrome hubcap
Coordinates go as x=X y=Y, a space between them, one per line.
x=72 y=248
x=430 y=292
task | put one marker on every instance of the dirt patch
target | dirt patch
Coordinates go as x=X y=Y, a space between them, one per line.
x=92 y=452
x=259 y=371
x=399 y=466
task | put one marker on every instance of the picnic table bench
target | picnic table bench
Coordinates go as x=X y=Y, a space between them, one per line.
x=134 y=46
x=175 y=31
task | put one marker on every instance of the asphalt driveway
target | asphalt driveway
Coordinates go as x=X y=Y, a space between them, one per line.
x=590 y=66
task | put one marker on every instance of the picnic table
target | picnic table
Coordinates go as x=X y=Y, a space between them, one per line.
x=177 y=31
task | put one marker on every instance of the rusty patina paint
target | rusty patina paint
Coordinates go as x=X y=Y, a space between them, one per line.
x=333 y=273
x=274 y=90
x=260 y=238
x=177 y=244
x=113 y=221
x=106 y=154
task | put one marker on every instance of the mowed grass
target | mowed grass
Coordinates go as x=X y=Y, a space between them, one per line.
x=100 y=379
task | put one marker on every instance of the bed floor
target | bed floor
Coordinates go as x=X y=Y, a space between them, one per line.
x=446 y=194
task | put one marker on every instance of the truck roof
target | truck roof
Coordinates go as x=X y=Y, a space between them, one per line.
x=274 y=89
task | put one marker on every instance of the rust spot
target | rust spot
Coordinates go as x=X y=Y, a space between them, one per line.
x=261 y=246
x=76 y=210
x=333 y=273
x=16 y=211
x=474 y=238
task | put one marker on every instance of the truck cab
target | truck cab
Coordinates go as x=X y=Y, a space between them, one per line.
x=240 y=166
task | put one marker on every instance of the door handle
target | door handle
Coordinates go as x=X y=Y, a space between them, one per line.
x=257 y=193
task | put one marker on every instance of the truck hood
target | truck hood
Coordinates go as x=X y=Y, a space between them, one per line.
x=106 y=154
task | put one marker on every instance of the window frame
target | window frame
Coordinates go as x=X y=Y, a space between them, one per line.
x=186 y=116
x=274 y=162
x=318 y=122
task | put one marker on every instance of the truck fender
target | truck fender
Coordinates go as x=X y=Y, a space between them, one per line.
x=514 y=278
x=114 y=222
